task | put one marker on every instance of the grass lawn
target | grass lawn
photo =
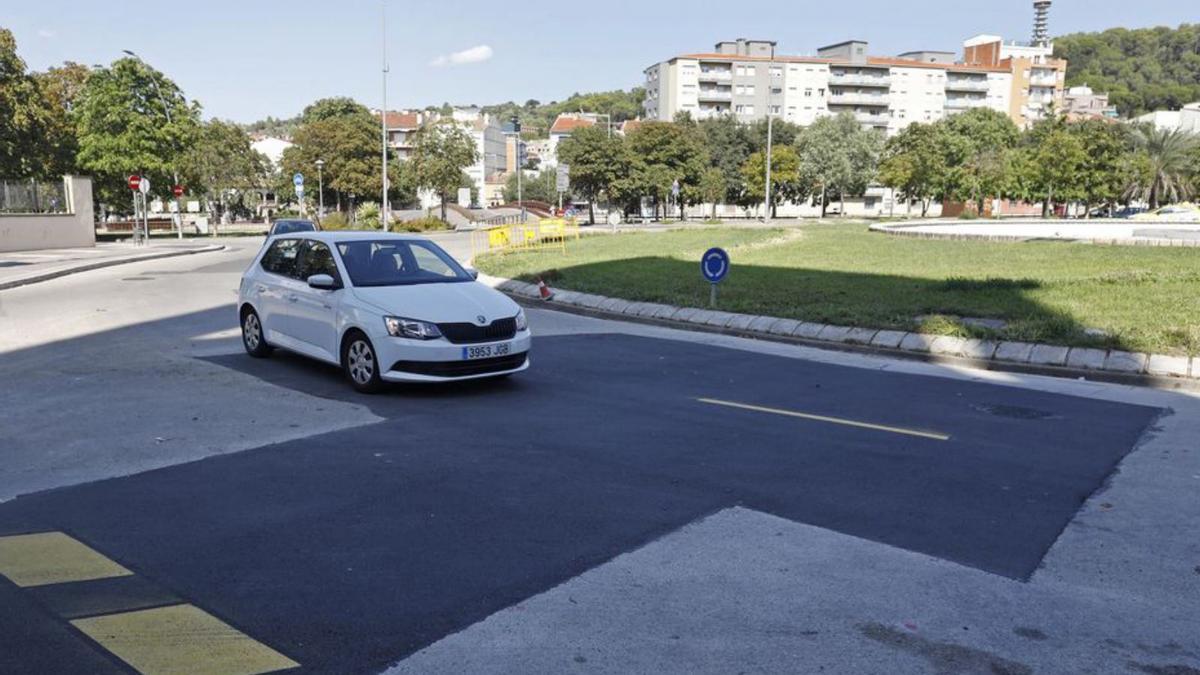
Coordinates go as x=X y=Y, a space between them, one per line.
x=1142 y=298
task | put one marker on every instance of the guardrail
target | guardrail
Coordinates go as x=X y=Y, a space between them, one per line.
x=549 y=233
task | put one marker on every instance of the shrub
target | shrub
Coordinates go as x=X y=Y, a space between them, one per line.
x=335 y=221
x=366 y=216
x=426 y=224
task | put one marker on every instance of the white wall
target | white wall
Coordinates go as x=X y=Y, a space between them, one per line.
x=70 y=230
x=805 y=91
x=917 y=95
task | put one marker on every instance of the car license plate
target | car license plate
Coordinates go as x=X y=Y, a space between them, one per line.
x=486 y=351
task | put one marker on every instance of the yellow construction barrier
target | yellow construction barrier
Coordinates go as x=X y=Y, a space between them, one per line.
x=549 y=233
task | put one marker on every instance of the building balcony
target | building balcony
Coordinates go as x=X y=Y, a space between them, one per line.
x=715 y=75
x=860 y=80
x=715 y=95
x=966 y=85
x=868 y=119
x=964 y=103
x=853 y=98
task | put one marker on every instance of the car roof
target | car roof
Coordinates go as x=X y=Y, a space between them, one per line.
x=335 y=236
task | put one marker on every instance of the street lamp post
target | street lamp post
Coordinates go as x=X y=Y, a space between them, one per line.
x=167 y=112
x=320 y=190
x=383 y=204
x=770 y=130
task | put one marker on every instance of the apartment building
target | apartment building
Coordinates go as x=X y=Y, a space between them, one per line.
x=1038 y=78
x=485 y=129
x=1083 y=103
x=749 y=80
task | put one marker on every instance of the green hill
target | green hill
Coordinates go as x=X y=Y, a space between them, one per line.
x=1142 y=69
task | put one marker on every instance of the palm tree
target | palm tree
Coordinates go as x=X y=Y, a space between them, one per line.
x=1171 y=153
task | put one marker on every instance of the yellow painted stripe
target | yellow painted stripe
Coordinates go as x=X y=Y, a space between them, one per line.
x=825 y=418
x=52 y=558
x=181 y=639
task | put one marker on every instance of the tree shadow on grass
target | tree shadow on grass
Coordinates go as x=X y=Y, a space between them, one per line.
x=841 y=298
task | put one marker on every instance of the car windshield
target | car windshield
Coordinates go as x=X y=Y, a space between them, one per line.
x=391 y=262
x=289 y=226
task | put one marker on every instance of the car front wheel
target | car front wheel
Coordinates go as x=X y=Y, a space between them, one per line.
x=361 y=365
x=253 y=338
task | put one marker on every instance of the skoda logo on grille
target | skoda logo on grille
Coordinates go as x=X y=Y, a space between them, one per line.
x=481 y=319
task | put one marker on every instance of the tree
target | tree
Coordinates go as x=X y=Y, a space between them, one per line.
x=441 y=151
x=729 y=144
x=37 y=134
x=913 y=163
x=1142 y=70
x=838 y=156
x=1055 y=165
x=596 y=160
x=345 y=135
x=1171 y=155
x=660 y=154
x=1104 y=172
x=713 y=187
x=785 y=176
x=977 y=147
x=222 y=161
x=122 y=116
x=542 y=187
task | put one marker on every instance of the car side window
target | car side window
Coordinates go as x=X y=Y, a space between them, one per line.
x=429 y=262
x=316 y=259
x=281 y=257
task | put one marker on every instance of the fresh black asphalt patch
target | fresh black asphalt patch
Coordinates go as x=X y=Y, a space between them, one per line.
x=350 y=550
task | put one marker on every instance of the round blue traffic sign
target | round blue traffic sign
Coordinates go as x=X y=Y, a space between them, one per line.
x=298 y=179
x=714 y=265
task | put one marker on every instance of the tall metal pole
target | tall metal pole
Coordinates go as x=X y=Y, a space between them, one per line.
x=770 y=133
x=520 y=200
x=383 y=203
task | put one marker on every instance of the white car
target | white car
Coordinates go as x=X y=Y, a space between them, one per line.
x=385 y=307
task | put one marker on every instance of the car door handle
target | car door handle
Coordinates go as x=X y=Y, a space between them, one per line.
x=292 y=297
x=262 y=289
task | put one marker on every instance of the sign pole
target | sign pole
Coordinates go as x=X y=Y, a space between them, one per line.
x=712 y=296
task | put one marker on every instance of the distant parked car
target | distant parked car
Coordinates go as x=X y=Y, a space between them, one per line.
x=291 y=226
x=1185 y=213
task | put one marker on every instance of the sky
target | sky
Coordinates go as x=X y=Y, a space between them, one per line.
x=246 y=60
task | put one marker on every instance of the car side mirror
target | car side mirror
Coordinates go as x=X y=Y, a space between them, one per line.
x=323 y=282
x=473 y=272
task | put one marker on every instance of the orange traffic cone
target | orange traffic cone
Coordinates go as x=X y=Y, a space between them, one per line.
x=544 y=290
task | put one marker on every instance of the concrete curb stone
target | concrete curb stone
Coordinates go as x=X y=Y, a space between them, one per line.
x=720 y=319
x=980 y=349
x=762 y=324
x=684 y=313
x=948 y=345
x=860 y=336
x=613 y=305
x=633 y=308
x=784 y=327
x=1170 y=366
x=1087 y=358
x=1125 y=362
x=667 y=312
x=652 y=309
x=740 y=321
x=1013 y=351
x=1049 y=355
x=917 y=342
x=890 y=339
x=590 y=300
x=701 y=316
x=808 y=331
x=831 y=333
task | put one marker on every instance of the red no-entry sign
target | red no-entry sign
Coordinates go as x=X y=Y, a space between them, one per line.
x=134 y=181
x=178 y=190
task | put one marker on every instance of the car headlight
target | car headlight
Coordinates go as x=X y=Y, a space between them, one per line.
x=522 y=322
x=411 y=328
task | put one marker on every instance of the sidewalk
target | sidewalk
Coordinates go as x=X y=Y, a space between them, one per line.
x=20 y=268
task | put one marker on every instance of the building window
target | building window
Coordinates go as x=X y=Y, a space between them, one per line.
x=820 y=92
x=807 y=93
x=775 y=72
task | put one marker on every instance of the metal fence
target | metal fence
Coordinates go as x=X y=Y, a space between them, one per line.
x=549 y=233
x=33 y=196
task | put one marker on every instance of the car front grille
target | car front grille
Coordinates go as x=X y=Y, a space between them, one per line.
x=469 y=333
x=497 y=364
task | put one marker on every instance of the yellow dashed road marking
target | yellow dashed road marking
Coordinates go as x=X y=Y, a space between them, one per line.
x=181 y=639
x=52 y=558
x=831 y=420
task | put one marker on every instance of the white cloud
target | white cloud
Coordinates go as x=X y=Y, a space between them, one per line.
x=46 y=33
x=477 y=54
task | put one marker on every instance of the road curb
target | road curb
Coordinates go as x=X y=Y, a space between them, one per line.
x=1146 y=370
x=101 y=264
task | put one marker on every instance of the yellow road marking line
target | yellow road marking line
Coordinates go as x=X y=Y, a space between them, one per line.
x=181 y=639
x=832 y=420
x=52 y=558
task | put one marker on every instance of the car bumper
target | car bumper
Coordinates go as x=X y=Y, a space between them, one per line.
x=442 y=361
